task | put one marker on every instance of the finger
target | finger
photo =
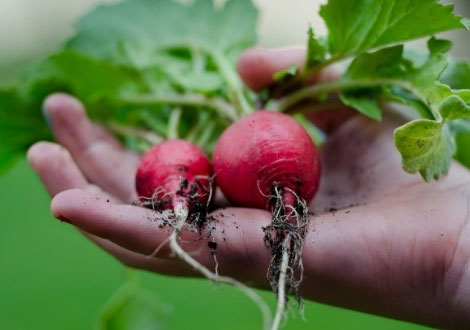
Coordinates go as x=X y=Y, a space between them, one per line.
x=55 y=167
x=257 y=66
x=237 y=232
x=140 y=261
x=99 y=157
x=58 y=171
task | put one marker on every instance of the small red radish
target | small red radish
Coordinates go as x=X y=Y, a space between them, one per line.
x=176 y=174
x=267 y=160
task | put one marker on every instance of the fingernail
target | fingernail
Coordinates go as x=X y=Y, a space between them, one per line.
x=46 y=115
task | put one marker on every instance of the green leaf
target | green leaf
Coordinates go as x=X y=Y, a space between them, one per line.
x=453 y=108
x=316 y=50
x=196 y=45
x=426 y=147
x=87 y=78
x=152 y=25
x=439 y=45
x=463 y=145
x=358 y=25
x=20 y=126
x=457 y=75
x=385 y=63
x=400 y=95
x=133 y=308
x=365 y=103
x=143 y=49
x=388 y=67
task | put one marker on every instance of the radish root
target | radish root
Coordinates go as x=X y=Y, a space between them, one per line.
x=281 y=292
x=182 y=217
x=176 y=248
x=285 y=237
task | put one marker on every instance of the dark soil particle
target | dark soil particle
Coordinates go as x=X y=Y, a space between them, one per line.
x=212 y=245
x=198 y=216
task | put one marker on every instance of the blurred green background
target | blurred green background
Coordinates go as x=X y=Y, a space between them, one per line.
x=52 y=278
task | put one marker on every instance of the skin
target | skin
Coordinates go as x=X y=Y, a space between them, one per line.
x=396 y=246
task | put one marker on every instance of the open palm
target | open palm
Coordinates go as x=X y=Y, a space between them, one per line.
x=381 y=241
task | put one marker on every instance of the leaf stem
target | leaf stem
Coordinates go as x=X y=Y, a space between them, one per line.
x=281 y=290
x=310 y=72
x=174 y=123
x=197 y=127
x=224 y=109
x=233 y=81
x=206 y=134
x=125 y=130
x=342 y=85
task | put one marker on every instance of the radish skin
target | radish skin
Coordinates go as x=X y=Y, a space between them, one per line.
x=169 y=171
x=263 y=148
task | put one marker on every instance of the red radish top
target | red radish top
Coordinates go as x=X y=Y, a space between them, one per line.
x=174 y=168
x=261 y=149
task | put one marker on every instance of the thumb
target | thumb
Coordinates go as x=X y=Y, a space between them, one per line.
x=257 y=67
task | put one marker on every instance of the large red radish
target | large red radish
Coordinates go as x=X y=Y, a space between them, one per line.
x=260 y=150
x=267 y=160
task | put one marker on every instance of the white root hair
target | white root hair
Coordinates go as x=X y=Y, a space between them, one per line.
x=285 y=235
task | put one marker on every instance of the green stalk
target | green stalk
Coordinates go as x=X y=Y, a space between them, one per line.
x=206 y=134
x=174 y=123
x=125 y=130
x=342 y=85
x=199 y=126
x=222 y=108
x=233 y=81
x=308 y=73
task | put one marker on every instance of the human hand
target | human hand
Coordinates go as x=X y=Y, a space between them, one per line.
x=382 y=241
